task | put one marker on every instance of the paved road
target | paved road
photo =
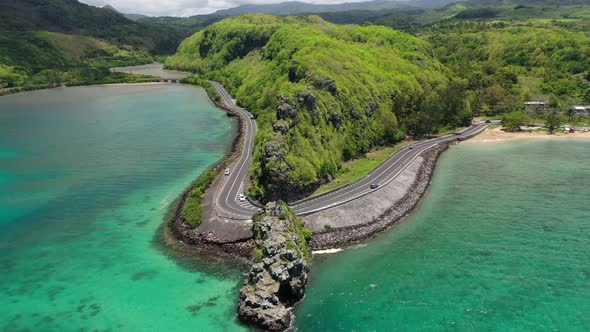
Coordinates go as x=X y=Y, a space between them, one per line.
x=381 y=175
x=226 y=203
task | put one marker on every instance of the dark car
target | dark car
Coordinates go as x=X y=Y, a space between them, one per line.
x=488 y=121
x=374 y=185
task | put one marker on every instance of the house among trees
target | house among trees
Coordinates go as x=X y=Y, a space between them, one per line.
x=582 y=110
x=536 y=109
x=536 y=104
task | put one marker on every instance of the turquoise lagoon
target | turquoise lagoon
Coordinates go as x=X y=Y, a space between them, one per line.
x=500 y=243
x=87 y=176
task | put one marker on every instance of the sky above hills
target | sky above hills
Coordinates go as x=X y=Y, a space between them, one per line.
x=186 y=7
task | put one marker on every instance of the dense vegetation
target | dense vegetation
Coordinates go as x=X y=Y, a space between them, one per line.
x=508 y=64
x=323 y=93
x=73 y=17
x=48 y=42
x=32 y=59
x=191 y=210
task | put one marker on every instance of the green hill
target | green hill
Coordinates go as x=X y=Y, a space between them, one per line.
x=55 y=41
x=73 y=17
x=507 y=64
x=43 y=57
x=322 y=93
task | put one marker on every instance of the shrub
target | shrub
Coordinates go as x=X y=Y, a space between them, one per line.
x=191 y=211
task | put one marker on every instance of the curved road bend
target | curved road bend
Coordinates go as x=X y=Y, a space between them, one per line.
x=381 y=175
x=226 y=201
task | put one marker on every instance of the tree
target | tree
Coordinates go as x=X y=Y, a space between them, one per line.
x=513 y=121
x=494 y=96
x=553 y=120
x=570 y=113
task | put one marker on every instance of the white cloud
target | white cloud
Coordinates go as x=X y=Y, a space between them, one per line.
x=185 y=7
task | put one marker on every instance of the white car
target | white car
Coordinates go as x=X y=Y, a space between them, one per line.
x=241 y=197
x=226 y=171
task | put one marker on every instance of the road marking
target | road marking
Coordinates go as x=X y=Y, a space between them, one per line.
x=468 y=133
x=356 y=188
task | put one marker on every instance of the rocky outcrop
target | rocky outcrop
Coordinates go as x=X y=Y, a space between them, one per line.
x=330 y=86
x=278 y=275
x=285 y=110
x=281 y=126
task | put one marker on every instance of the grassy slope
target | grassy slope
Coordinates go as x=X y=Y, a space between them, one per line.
x=355 y=169
x=341 y=90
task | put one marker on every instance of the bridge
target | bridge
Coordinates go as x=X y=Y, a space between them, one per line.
x=160 y=80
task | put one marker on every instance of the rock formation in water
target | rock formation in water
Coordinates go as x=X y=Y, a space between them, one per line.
x=278 y=275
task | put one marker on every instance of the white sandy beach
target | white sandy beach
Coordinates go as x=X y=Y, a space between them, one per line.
x=496 y=134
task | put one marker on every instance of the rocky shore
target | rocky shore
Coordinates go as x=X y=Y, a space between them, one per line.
x=208 y=241
x=278 y=275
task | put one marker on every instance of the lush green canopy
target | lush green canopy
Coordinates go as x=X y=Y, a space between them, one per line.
x=323 y=93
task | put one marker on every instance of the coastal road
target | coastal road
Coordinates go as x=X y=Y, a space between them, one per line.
x=381 y=175
x=229 y=206
x=226 y=198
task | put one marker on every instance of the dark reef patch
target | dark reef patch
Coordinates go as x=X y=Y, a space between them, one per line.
x=144 y=275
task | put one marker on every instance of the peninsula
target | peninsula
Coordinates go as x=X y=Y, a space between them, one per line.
x=340 y=111
x=309 y=96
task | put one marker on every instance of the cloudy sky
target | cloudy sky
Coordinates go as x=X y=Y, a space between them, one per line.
x=185 y=7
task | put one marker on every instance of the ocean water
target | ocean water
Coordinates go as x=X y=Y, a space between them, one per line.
x=500 y=243
x=87 y=176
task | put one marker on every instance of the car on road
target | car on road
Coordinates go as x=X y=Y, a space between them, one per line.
x=226 y=171
x=488 y=121
x=411 y=148
x=374 y=185
x=241 y=197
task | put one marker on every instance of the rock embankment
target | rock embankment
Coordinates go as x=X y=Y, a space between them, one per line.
x=365 y=229
x=278 y=275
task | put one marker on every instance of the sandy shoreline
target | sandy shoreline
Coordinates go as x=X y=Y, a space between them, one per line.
x=127 y=84
x=497 y=135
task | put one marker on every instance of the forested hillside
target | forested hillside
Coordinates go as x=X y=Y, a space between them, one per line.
x=323 y=93
x=38 y=58
x=507 y=64
x=56 y=41
x=73 y=17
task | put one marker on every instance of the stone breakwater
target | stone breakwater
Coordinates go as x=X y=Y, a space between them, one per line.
x=363 y=231
x=278 y=275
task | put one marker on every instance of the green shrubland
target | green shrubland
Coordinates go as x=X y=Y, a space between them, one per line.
x=191 y=210
x=323 y=93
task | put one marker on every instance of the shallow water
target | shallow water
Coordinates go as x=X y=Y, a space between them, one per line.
x=87 y=175
x=500 y=243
